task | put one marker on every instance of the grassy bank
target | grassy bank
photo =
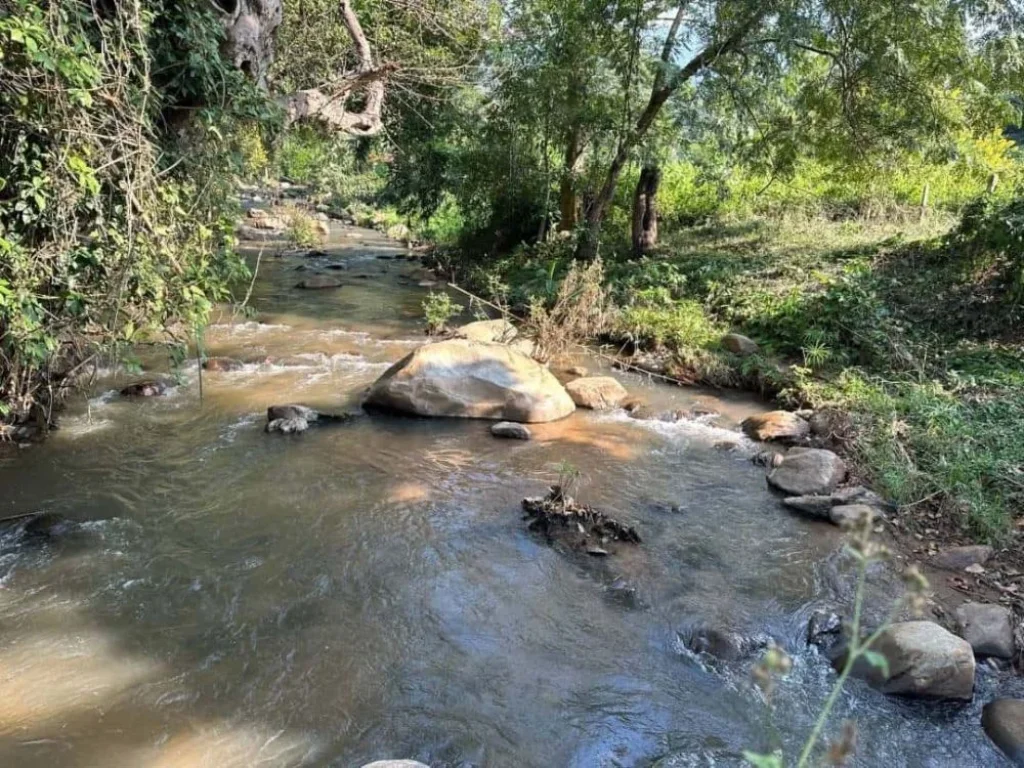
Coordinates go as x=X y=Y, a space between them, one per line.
x=913 y=345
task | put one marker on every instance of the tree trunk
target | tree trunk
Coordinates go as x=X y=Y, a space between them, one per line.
x=568 y=205
x=660 y=92
x=645 y=211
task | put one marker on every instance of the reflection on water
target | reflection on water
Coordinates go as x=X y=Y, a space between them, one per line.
x=212 y=595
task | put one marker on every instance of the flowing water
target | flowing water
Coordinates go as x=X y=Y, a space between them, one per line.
x=205 y=594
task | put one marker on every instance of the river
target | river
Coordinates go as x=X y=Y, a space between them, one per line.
x=205 y=594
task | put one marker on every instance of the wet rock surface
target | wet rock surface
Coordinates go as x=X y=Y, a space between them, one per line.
x=1003 y=721
x=726 y=644
x=924 y=661
x=808 y=472
x=149 y=388
x=561 y=518
x=293 y=419
x=511 y=430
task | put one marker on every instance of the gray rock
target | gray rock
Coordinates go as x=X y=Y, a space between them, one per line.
x=959 y=558
x=1003 y=721
x=740 y=345
x=850 y=515
x=988 y=628
x=725 y=644
x=925 y=661
x=291 y=418
x=291 y=411
x=858 y=494
x=776 y=425
x=808 y=472
x=815 y=507
x=511 y=429
x=824 y=628
x=396 y=764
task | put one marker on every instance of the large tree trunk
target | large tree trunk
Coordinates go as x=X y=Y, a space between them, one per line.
x=645 y=210
x=660 y=93
x=568 y=202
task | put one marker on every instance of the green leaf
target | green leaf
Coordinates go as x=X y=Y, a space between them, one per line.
x=878 y=661
x=773 y=760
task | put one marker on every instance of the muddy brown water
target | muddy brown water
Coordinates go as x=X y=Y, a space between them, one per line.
x=211 y=595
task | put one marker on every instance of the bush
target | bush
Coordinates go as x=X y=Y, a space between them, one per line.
x=438 y=309
x=105 y=241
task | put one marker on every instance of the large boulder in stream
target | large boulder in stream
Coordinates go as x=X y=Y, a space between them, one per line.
x=1003 y=721
x=808 y=472
x=471 y=379
x=924 y=661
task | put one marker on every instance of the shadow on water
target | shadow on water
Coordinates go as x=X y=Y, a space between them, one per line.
x=205 y=594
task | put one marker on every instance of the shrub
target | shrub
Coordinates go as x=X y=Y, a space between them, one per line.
x=438 y=309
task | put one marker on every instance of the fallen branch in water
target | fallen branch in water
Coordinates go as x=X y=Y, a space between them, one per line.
x=559 y=514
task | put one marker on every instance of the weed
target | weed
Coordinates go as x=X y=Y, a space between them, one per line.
x=438 y=309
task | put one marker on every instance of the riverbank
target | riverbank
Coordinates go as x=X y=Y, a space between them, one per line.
x=906 y=347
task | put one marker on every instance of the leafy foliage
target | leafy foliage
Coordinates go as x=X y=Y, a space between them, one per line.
x=113 y=221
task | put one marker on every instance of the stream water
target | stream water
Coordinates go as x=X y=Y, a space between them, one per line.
x=206 y=594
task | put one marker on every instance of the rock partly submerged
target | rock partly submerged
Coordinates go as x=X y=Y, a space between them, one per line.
x=598 y=393
x=808 y=472
x=923 y=660
x=148 y=388
x=471 y=379
x=293 y=419
x=511 y=430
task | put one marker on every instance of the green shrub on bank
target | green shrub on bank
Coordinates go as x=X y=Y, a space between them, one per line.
x=111 y=230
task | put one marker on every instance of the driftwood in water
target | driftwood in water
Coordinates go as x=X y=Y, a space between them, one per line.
x=558 y=515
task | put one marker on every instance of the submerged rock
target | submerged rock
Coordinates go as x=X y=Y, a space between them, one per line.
x=471 y=379
x=808 y=472
x=319 y=282
x=596 y=392
x=222 y=364
x=959 y=558
x=776 y=425
x=725 y=644
x=511 y=430
x=824 y=628
x=396 y=764
x=988 y=628
x=1003 y=721
x=924 y=661
x=149 y=388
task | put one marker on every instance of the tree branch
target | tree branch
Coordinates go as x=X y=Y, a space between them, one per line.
x=331 y=109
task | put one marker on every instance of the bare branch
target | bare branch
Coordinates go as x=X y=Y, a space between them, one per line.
x=331 y=109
